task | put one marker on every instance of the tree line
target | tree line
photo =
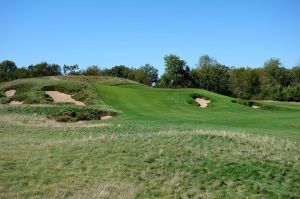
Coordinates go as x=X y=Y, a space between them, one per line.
x=271 y=81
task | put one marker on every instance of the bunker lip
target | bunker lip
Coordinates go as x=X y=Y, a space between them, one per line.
x=10 y=93
x=62 y=97
x=203 y=103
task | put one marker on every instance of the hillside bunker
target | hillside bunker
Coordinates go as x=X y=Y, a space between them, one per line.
x=203 y=103
x=59 y=97
x=10 y=93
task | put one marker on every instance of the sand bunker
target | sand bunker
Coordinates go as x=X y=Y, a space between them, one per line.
x=202 y=102
x=15 y=102
x=106 y=117
x=10 y=93
x=253 y=106
x=62 y=97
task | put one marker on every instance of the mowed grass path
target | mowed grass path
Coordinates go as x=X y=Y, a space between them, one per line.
x=169 y=108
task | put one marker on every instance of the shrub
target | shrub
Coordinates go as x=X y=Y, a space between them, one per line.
x=80 y=114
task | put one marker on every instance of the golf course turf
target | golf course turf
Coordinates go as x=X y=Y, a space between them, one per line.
x=159 y=143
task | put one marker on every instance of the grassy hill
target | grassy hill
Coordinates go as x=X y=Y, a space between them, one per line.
x=174 y=108
x=160 y=145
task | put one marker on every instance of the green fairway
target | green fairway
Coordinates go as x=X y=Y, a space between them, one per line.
x=159 y=144
x=171 y=108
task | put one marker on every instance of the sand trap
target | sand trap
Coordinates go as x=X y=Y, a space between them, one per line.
x=15 y=102
x=106 y=117
x=253 y=106
x=202 y=102
x=10 y=93
x=62 y=97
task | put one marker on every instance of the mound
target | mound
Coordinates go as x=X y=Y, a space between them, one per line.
x=109 y=80
x=62 y=97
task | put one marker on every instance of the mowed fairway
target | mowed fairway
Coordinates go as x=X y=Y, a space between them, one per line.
x=169 y=108
x=161 y=145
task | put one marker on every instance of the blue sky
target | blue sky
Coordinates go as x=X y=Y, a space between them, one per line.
x=135 y=32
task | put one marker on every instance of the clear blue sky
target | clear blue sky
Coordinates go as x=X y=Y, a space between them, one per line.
x=135 y=32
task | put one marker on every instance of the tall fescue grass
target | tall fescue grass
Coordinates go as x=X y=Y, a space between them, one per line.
x=130 y=162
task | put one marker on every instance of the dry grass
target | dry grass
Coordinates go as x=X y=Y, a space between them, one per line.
x=41 y=121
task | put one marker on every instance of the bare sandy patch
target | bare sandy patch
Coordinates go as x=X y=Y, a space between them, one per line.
x=202 y=102
x=62 y=97
x=106 y=117
x=10 y=93
x=15 y=102
x=255 y=107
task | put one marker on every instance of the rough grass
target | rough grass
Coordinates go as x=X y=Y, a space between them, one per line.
x=96 y=79
x=153 y=149
x=32 y=91
x=131 y=162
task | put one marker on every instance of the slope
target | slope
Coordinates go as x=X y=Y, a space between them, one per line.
x=172 y=108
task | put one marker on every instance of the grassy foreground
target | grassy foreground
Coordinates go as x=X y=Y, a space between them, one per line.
x=161 y=146
x=129 y=162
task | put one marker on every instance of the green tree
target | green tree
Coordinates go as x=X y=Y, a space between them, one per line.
x=244 y=83
x=44 y=69
x=120 y=71
x=295 y=75
x=92 y=71
x=211 y=75
x=275 y=74
x=71 y=69
x=177 y=73
x=21 y=73
x=7 y=70
x=291 y=93
x=147 y=75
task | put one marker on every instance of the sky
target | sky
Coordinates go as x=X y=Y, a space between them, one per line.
x=135 y=32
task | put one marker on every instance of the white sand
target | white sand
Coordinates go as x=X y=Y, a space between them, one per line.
x=10 y=93
x=202 y=102
x=15 y=103
x=106 y=117
x=62 y=97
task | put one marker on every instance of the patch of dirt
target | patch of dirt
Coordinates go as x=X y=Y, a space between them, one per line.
x=106 y=117
x=15 y=102
x=10 y=93
x=202 y=102
x=62 y=97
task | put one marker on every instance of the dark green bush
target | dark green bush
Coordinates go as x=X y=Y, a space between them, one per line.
x=80 y=114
